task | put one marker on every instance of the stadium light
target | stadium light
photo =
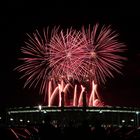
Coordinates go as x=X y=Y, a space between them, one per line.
x=11 y=119
x=21 y=120
x=137 y=112
x=123 y=121
x=132 y=120
x=39 y=107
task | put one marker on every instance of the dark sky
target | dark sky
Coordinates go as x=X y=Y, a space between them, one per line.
x=23 y=17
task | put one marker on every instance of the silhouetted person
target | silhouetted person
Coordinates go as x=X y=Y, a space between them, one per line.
x=99 y=132
x=47 y=130
x=84 y=99
x=62 y=99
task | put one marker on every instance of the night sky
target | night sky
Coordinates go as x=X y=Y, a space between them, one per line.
x=21 y=18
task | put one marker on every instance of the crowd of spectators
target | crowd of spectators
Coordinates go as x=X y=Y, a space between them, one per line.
x=96 y=131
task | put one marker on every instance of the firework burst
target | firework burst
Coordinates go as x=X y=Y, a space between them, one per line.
x=101 y=53
x=66 y=54
x=36 y=61
x=53 y=59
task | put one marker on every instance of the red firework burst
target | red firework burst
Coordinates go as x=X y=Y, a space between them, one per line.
x=101 y=53
x=66 y=54
x=36 y=61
